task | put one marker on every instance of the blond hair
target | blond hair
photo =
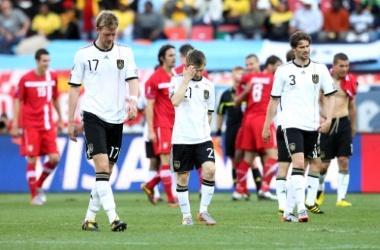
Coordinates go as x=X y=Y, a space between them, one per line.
x=107 y=18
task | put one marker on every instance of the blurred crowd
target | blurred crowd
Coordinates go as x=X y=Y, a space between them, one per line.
x=149 y=20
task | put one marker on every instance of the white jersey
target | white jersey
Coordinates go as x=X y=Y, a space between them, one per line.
x=299 y=88
x=191 y=124
x=104 y=75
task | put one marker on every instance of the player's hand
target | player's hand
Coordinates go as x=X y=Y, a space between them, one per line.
x=72 y=131
x=189 y=72
x=152 y=135
x=60 y=126
x=266 y=134
x=132 y=109
x=325 y=126
x=353 y=131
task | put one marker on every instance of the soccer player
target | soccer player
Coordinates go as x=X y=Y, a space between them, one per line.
x=257 y=95
x=36 y=96
x=298 y=84
x=234 y=115
x=194 y=99
x=160 y=119
x=104 y=68
x=338 y=141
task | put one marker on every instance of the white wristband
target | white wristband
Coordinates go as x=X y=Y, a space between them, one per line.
x=133 y=98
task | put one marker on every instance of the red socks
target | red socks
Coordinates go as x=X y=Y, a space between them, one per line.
x=31 y=178
x=241 y=177
x=47 y=170
x=269 y=171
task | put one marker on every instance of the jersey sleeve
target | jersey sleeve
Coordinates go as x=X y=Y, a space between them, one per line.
x=77 y=72
x=222 y=104
x=211 y=99
x=327 y=83
x=131 y=72
x=151 y=89
x=278 y=84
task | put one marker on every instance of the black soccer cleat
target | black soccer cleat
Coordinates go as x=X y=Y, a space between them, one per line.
x=314 y=209
x=118 y=226
x=89 y=225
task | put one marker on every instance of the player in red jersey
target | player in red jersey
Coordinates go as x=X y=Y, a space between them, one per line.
x=257 y=95
x=160 y=119
x=37 y=94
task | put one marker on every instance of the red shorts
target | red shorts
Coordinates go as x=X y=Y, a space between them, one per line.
x=37 y=142
x=251 y=135
x=239 y=139
x=163 y=142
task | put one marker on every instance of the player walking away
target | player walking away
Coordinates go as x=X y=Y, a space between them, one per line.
x=194 y=99
x=103 y=67
x=234 y=115
x=33 y=113
x=338 y=141
x=160 y=119
x=257 y=95
x=298 y=85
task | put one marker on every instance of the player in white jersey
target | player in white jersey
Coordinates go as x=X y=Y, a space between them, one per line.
x=194 y=99
x=298 y=84
x=103 y=67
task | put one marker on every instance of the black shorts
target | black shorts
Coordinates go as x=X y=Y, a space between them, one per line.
x=102 y=137
x=149 y=151
x=338 y=142
x=283 y=153
x=229 y=140
x=184 y=157
x=301 y=141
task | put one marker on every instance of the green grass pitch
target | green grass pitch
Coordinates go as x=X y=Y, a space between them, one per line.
x=240 y=225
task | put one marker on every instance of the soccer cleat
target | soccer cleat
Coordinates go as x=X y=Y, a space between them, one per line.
x=89 y=225
x=343 y=203
x=149 y=193
x=36 y=201
x=266 y=196
x=187 y=221
x=206 y=218
x=302 y=216
x=172 y=204
x=236 y=196
x=118 y=226
x=320 y=198
x=314 y=209
x=41 y=194
x=289 y=218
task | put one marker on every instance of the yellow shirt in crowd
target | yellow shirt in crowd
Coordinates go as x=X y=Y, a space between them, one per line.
x=46 y=25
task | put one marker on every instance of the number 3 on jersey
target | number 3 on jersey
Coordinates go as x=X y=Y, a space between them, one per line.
x=257 y=92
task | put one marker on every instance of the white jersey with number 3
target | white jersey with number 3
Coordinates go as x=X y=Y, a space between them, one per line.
x=191 y=124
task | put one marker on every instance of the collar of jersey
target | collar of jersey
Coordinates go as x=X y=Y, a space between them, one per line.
x=200 y=79
x=103 y=50
x=300 y=66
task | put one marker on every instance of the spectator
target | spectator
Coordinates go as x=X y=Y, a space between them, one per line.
x=89 y=10
x=126 y=18
x=233 y=10
x=251 y=24
x=308 y=19
x=14 y=25
x=178 y=13
x=70 y=26
x=157 y=5
x=374 y=7
x=209 y=12
x=361 y=22
x=149 y=24
x=278 y=22
x=336 y=23
x=47 y=23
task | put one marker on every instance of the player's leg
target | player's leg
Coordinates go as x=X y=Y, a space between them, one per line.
x=322 y=176
x=242 y=173
x=150 y=188
x=31 y=162
x=312 y=185
x=328 y=151
x=205 y=157
x=270 y=168
x=182 y=162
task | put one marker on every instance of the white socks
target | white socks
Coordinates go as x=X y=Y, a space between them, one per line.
x=297 y=183
x=312 y=188
x=104 y=191
x=281 y=192
x=343 y=181
x=207 y=192
x=183 y=200
x=93 y=206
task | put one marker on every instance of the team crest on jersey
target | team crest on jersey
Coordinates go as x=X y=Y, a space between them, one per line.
x=315 y=78
x=292 y=147
x=90 y=149
x=176 y=164
x=120 y=63
x=206 y=94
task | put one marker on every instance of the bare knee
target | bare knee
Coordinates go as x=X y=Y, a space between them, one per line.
x=208 y=170
x=183 y=178
x=343 y=164
x=54 y=159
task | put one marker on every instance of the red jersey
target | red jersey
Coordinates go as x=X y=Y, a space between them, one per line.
x=36 y=94
x=260 y=84
x=157 y=89
x=179 y=70
x=349 y=85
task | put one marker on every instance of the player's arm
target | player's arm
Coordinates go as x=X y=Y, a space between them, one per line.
x=179 y=94
x=74 y=93
x=271 y=113
x=133 y=84
x=329 y=100
x=352 y=114
x=16 y=113
x=149 y=119
x=59 y=112
x=243 y=95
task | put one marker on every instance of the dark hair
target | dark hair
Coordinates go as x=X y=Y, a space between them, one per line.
x=162 y=52
x=196 y=58
x=340 y=56
x=298 y=36
x=39 y=53
x=184 y=49
x=252 y=56
x=289 y=55
x=272 y=60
